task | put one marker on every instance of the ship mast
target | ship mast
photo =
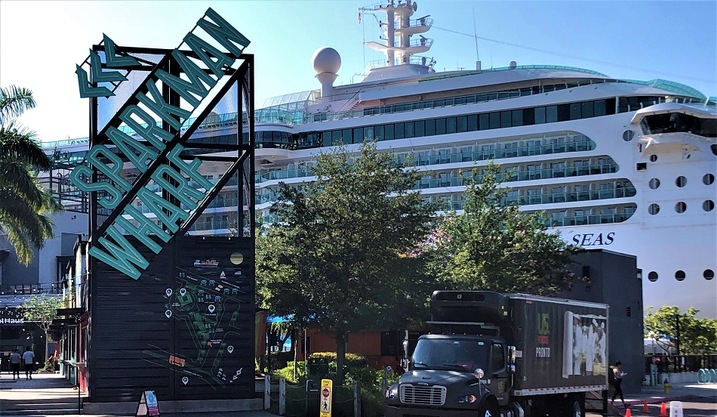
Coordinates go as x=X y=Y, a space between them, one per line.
x=398 y=29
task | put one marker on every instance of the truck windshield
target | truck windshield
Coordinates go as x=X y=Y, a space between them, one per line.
x=452 y=354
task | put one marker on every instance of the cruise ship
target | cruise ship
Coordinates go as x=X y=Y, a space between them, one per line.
x=620 y=165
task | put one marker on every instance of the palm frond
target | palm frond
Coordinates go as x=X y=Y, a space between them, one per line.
x=13 y=103
x=22 y=147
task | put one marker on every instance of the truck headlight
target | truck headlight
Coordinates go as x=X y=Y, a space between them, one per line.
x=390 y=392
x=467 y=399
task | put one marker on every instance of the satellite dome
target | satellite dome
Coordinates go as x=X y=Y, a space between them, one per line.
x=326 y=60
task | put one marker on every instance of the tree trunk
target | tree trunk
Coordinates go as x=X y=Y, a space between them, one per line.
x=340 y=356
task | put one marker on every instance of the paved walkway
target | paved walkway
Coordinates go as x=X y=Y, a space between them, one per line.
x=51 y=394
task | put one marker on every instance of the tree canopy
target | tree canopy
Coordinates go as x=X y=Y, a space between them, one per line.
x=337 y=257
x=695 y=335
x=494 y=246
x=23 y=202
x=42 y=310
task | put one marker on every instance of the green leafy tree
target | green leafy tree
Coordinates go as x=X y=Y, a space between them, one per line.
x=41 y=310
x=23 y=202
x=338 y=257
x=494 y=246
x=695 y=336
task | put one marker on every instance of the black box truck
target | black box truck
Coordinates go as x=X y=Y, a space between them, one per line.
x=515 y=355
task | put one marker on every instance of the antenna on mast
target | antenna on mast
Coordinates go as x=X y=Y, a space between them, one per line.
x=475 y=38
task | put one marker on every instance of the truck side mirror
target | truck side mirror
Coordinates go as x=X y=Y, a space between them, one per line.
x=511 y=355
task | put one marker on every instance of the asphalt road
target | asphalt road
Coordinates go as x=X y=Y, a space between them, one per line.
x=692 y=406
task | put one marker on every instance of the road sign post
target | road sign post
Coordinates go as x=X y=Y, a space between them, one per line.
x=325 y=397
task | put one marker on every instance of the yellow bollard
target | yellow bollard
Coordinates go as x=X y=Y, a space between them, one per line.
x=667 y=387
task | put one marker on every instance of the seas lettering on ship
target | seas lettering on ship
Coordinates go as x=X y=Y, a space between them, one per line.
x=593 y=239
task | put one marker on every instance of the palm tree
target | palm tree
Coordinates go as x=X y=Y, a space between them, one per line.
x=23 y=201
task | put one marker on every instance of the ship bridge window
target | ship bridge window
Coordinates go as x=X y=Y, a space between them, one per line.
x=399 y=131
x=600 y=108
x=409 y=131
x=681 y=181
x=440 y=126
x=461 y=123
x=516 y=118
x=708 y=179
x=654 y=183
x=551 y=114
x=506 y=119
x=358 y=135
x=653 y=209
x=681 y=207
x=628 y=135
x=472 y=122
x=419 y=128
x=708 y=205
x=483 y=121
x=494 y=120
x=679 y=122
x=388 y=132
x=451 y=125
x=430 y=127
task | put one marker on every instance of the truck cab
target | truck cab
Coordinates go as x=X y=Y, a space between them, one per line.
x=460 y=373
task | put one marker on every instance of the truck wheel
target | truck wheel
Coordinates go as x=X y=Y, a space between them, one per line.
x=575 y=408
x=489 y=411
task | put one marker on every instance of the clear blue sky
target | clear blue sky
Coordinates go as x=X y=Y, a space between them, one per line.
x=40 y=42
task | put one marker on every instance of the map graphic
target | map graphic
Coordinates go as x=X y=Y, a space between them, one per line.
x=208 y=303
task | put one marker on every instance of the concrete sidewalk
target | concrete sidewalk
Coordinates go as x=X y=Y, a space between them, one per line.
x=49 y=394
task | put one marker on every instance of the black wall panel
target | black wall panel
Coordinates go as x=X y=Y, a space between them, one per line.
x=184 y=329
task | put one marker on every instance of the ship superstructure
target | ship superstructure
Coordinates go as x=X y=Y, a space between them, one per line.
x=625 y=166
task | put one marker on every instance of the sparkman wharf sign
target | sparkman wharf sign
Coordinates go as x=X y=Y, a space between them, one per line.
x=191 y=73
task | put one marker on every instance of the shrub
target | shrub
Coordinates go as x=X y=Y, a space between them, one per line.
x=300 y=403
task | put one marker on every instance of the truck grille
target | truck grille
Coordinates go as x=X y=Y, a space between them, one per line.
x=424 y=395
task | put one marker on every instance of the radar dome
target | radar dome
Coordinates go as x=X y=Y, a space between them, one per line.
x=326 y=60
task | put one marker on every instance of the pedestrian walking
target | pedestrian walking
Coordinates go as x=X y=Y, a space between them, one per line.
x=15 y=360
x=28 y=358
x=617 y=383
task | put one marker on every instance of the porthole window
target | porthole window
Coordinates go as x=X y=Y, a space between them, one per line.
x=680 y=207
x=653 y=208
x=708 y=274
x=653 y=158
x=681 y=181
x=714 y=149
x=708 y=205
x=654 y=183
x=652 y=276
x=708 y=179
x=680 y=275
x=628 y=135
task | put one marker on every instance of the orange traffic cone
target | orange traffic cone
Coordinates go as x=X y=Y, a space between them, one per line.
x=628 y=413
x=663 y=410
x=645 y=409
